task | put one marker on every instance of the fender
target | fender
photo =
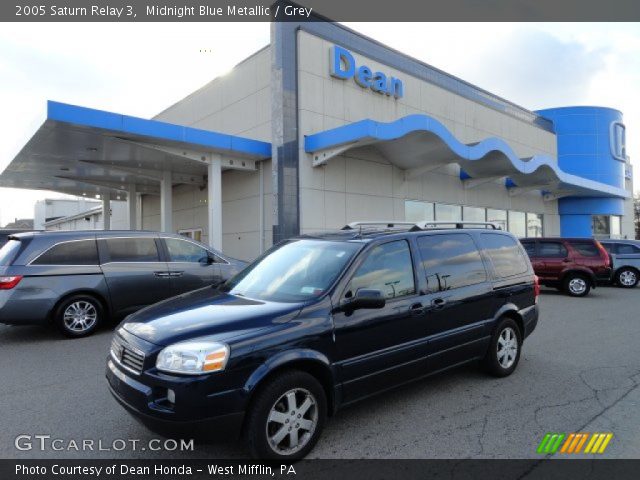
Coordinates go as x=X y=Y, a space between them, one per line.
x=510 y=308
x=283 y=358
x=579 y=269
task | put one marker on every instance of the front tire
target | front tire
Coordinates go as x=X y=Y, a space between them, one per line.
x=627 y=277
x=79 y=316
x=577 y=285
x=286 y=417
x=504 y=350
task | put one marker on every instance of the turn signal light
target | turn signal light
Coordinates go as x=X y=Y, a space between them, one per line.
x=8 y=282
x=214 y=361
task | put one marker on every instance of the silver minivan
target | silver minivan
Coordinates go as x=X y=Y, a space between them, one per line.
x=78 y=279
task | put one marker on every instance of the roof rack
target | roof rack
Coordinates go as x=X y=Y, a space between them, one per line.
x=383 y=224
x=441 y=224
x=413 y=226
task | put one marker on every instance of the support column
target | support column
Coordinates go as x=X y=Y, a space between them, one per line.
x=214 y=201
x=139 y=223
x=166 y=203
x=132 y=207
x=106 y=211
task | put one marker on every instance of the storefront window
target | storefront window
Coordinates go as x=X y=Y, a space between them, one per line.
x=616 y=226
x=518 y=224
x=448 y=213
x=473 y=214
x=601 y=225
x=415 y=211
x=497 y=216
x=534 y=225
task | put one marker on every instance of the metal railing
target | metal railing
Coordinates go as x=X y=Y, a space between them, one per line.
x=413 y=226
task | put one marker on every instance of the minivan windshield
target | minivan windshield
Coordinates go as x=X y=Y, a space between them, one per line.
x=297 y=271
x=9 y=251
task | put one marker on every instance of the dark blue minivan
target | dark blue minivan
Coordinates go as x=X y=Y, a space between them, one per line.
x=321 y=321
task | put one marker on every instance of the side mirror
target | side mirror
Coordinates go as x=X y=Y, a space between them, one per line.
x=365 y=298
x=208 y=260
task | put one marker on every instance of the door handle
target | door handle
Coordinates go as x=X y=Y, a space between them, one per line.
x=161 y=274
x=176 y=274
x=438 y=303
x=416 y=309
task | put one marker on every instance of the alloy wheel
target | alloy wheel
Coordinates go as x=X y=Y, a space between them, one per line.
x=80 y=316
x=628 y=278
x=292 y=421
x=577 y=285
x=507 y=350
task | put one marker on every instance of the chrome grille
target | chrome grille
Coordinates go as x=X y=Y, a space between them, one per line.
x=126 y=355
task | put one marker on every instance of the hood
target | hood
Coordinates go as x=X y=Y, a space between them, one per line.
x=206 y=312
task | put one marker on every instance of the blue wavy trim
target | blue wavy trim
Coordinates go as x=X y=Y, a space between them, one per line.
x=370 y=131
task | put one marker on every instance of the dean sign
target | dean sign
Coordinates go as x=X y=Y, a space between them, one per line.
x=343 y=66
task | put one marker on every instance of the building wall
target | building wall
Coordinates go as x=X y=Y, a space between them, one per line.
x=59 y=207
x=93 y=220
x=365 y=185
x=238 y=103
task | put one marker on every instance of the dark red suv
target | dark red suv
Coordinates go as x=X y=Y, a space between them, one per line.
x=574 y=265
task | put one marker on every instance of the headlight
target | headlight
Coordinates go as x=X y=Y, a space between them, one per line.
x=193 y=358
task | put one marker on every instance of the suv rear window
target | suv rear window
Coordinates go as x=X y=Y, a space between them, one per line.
x=451 y=261
x=80 y=252
x=505 y=254
x=586 y=249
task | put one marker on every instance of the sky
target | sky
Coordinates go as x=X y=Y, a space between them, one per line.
x=140 y=69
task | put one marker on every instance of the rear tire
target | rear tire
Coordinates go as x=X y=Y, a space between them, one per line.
x=286 y=417
x=627 y=277
x=577 y=285
x=79 y=315
x=504 y=350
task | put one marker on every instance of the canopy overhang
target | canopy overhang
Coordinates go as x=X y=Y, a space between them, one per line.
x=419 y=144
x=82 y=151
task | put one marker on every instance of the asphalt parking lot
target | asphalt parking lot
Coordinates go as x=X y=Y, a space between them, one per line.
x=579 y=372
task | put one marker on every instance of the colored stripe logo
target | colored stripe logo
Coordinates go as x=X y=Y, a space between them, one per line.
x=573 y=443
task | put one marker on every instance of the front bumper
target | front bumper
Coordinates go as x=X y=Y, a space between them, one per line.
x=194 y=409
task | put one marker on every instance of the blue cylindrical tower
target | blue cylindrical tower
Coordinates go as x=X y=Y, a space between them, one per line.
x=591 y=144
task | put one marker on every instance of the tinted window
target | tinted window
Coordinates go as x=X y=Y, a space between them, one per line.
x=625 y=248
x=551 y=249
x=387 y=268
x=8 y=251
x=610 y=247
x=451 y=261
x=293 y=272
x=586 y=249
x=182 y=251
x=530 y=248
x=132 y=250
x=82 y=252
x=505 y=254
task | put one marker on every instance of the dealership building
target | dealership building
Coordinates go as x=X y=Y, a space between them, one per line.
x=325 y=126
